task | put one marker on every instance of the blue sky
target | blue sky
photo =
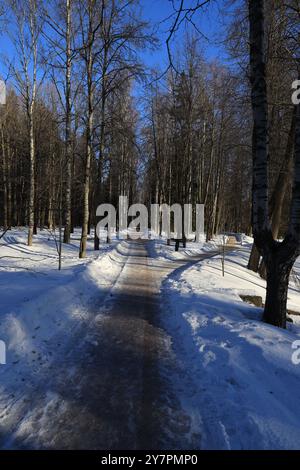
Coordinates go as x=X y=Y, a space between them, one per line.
x=210 y=21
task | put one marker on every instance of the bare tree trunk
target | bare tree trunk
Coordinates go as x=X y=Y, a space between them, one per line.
x=276 y=204
x=68 y=140
x=253 y=263
x=31 y=90
x=278 y=257
x=4 y=177
x=278 y=273
x=31 y=205
x=86 y=191
x=283 y=181
x=101 y=154
x=9 y=191
x=89 y=134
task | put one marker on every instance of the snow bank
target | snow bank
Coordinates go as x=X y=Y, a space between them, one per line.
x=238 y=373
x=41 y=304
x=163 y=251
x=44 y=312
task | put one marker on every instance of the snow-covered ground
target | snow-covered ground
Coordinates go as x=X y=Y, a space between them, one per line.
x=42 y=310
x=163 y=251
x=241 y=381
x=235 y=378
x=38 y=301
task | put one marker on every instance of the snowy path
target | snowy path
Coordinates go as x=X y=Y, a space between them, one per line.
x=141 y=347
x=112 y=385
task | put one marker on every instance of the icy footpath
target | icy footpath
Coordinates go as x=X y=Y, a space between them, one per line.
x=238 y=376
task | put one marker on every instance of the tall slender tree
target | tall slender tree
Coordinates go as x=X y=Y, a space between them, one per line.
x=26 y=32
x=279 y=257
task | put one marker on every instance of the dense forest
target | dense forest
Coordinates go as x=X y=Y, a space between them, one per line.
x=75 y=133
x=85 y=121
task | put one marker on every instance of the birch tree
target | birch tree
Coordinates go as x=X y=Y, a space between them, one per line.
x=121 y=34
x=91 y=18
x=26 y=31
x=278 y=257
x=60 y=50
